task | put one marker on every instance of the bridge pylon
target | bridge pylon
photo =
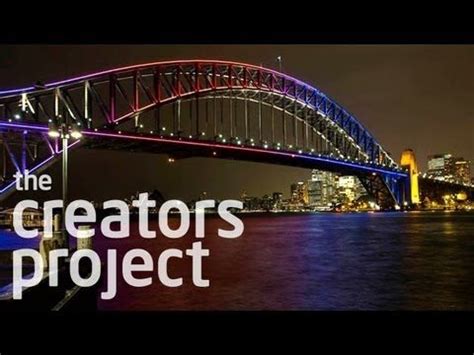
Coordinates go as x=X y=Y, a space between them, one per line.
x=408 y=161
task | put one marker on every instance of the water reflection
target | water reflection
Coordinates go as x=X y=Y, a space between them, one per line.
x=322 y=262
x=391 y=261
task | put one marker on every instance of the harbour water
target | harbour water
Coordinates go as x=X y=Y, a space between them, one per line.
x=361 y=261
x=324 y=261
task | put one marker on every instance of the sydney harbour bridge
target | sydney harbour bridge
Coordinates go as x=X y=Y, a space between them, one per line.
x=196 y=108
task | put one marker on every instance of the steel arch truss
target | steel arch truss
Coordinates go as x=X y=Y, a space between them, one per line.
x=386 y=189
x=228 y=102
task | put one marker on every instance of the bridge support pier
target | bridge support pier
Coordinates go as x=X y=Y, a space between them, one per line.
x=408 y=161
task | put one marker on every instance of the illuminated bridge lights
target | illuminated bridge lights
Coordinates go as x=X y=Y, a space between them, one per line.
x=230 y=77
x=252 y=150
x=201 y=63
x=120 y=134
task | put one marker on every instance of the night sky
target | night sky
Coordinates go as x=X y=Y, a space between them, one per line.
x=418 y=97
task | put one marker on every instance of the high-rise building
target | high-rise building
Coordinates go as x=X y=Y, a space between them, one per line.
x=277 y=199
x=252 y=203
x=266 y=202
x=315 y=191
x=349 y=188
x=440 y=166
x=462 y=171
x=448 y=168
x=299 y=193
x=321 y=188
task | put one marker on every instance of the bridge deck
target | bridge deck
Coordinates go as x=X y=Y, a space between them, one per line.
x=186 y=148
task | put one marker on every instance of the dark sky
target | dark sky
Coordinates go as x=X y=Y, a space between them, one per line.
x=410 y=96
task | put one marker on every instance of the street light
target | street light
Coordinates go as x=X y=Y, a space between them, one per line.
x=64 y=132
x=76 y=133
x=53 y=130
x=54 y=134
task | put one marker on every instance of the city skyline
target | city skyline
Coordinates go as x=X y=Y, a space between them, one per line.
x=293 y=175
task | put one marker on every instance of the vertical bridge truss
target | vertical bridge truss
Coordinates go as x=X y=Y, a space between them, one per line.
x=221 y=104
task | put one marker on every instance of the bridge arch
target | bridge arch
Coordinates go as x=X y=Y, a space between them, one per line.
x=132 y=99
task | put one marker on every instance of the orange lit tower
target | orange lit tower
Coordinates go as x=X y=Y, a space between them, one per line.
x=408 y=161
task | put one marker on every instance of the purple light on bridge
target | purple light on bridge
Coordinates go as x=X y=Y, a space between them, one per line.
x=213 y=145
x=188 y=61
x=248 y=149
